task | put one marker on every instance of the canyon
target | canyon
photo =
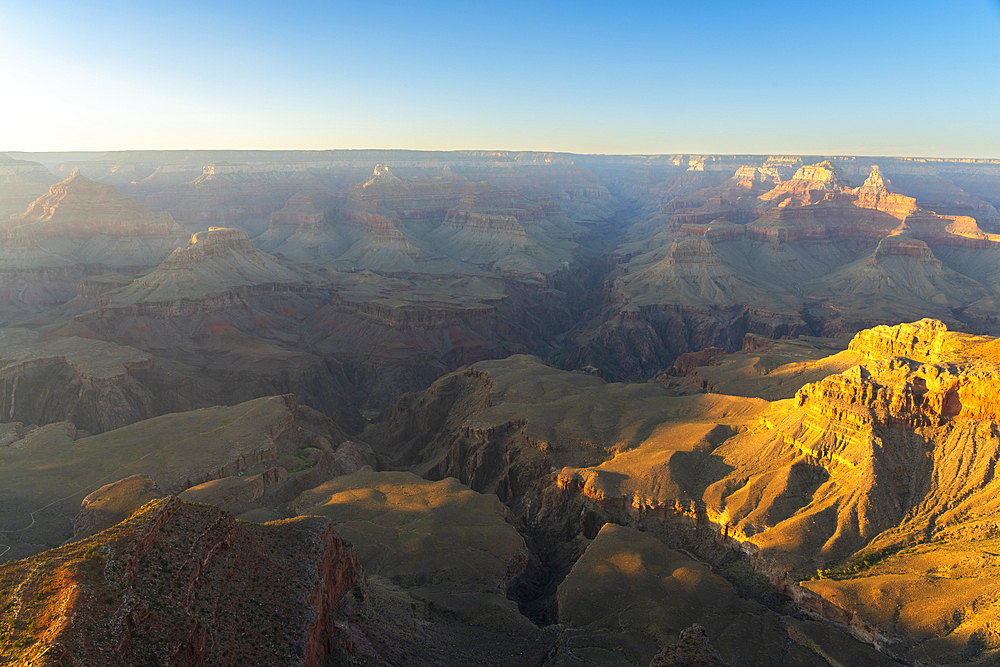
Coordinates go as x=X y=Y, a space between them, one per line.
x=468 y=407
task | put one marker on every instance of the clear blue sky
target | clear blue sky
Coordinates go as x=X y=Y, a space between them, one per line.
x=846 y=77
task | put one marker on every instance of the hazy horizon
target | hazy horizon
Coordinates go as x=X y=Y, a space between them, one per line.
x=495 y=151
x=893 y=79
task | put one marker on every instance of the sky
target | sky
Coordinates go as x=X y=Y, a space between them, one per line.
x=917 y=78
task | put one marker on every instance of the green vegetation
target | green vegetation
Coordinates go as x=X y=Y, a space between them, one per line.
x=857 y=564
x=306 y=461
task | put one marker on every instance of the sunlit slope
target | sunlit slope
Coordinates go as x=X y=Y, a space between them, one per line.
x=443 y=543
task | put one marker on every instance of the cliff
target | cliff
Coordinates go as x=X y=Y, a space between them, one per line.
x=184 y=584
x=97 y=385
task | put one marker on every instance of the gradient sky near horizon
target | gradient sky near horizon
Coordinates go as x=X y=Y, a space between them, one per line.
x=918 y=78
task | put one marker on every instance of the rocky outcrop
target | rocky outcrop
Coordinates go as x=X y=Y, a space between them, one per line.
x=874 y=194
x=184 y=584
x=924 y=341
x=114 y=502
x=693 y=649
x=80 y=208
x=810 y=184
x=382 y=176
x=773 y=171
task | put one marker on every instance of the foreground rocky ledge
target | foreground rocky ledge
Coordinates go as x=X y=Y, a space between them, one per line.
x=182 y=584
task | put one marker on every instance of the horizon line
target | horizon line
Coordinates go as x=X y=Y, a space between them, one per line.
x=498 y=151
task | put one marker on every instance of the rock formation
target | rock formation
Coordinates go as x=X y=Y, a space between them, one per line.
x=692 y=650
x=213 y=264
x=80 y=227
x=875 y=195
x=567 y=453
x=809 y=185
x=812 y=255
x=804 y=503
x=184 y=584
x=99 y=386
x=21 y=182
x=80 y=208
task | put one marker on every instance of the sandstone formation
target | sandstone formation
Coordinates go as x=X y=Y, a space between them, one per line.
x=213 y=264
x=184 y=584
x=809 y=185
x=567 y=452
x=21 y=182
x=875 y=195
x=796 y=479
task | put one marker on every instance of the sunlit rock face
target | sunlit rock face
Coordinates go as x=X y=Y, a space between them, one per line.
x=811 y=255
x=810 y=184
x=887 y=447
x=880 y=434
x=875 y=195
x=187 y=584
